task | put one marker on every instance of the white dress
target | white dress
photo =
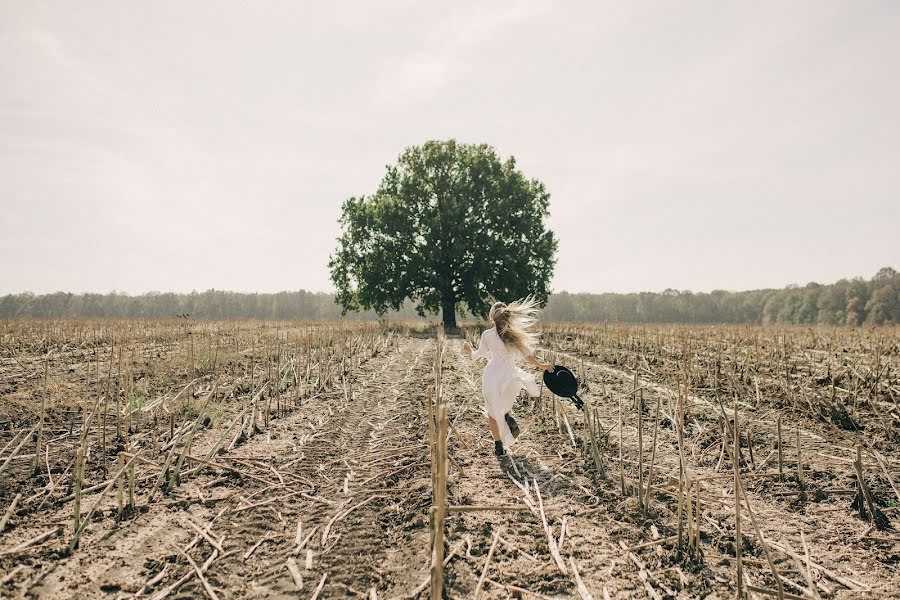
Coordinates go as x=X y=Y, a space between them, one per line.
x=502 y=379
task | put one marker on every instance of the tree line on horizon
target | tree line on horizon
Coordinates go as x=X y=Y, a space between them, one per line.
x=854 y=302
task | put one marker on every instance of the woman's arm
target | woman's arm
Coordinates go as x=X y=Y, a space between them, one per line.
x=481 y=352
x=538 y=364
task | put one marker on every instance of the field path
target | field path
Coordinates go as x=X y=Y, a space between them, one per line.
x=522 y=559
x=353 y=475
x=589 y=521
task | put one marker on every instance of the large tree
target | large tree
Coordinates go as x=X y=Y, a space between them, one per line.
x=450 y=226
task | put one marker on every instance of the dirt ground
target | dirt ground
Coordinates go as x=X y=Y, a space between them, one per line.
x=332 y=500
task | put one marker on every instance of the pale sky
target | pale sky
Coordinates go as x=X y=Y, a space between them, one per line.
x=695 y=145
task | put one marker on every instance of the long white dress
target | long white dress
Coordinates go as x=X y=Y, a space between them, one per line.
x=502 y=379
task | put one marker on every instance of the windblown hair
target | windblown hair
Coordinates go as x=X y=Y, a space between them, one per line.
x=513 y=321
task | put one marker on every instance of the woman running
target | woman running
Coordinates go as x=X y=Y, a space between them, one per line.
x=504 y=344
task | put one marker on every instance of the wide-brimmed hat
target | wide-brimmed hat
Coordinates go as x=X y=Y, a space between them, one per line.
x=563 y=382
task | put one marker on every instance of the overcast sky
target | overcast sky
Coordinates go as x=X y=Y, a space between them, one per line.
x=694 y=145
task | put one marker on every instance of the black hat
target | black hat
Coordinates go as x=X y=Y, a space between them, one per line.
x=562 y=382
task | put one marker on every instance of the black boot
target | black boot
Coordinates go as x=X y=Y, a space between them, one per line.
x=513 y=426
x=498 y=448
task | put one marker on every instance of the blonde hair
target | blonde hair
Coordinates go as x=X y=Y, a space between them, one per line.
x=513 y=321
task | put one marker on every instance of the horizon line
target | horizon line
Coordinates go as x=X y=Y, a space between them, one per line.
x=332 y=292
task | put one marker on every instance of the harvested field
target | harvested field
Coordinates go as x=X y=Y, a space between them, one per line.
x=300 y=460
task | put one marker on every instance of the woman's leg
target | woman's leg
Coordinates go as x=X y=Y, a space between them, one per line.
x=495 y=431
x=511 y=423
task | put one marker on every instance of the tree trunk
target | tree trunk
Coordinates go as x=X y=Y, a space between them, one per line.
x=448 y=310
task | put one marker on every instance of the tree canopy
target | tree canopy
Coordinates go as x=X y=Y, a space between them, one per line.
x=451 y=226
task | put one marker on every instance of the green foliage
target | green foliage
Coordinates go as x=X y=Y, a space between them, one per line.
x=450 y=223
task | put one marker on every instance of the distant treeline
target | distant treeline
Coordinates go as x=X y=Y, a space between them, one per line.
x=848 y=302
x=211 y=304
